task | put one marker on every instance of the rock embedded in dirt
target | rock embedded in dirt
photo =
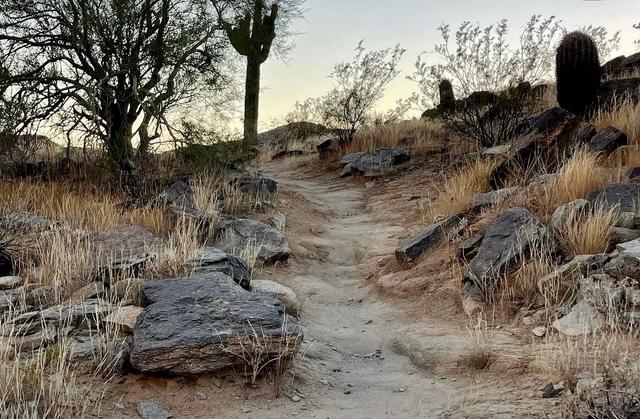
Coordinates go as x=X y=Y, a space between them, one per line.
x=415 y=246
x=152 y=410
x=506 y=240
x=551 y=135
x=607 y=141
x=539 y=331
x=198 y=325
x=237 y=235
x=282 y=293
x=259 y=186
x=10 y=282
x=583 y=319
x=212 y=259
x=566 y=213
x=373 y=163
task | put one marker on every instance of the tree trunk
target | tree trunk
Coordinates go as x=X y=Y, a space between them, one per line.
x=119 y=141
x=251 y=100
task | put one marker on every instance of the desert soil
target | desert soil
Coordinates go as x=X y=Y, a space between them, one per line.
x=366 y=354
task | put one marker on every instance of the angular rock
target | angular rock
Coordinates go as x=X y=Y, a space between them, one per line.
x=178 y=194
x=126 y=240
x=237 y=235
x=568 y=212
x=374 y=163
x=8 y=303
x=496 y=151
x=607 y=141
x=568 y=275
x=282 y=293
x=552 y=135
x=260 y=186
x=623 y=197
x=122 y=268
x=6 y=263
x=583 y=319
x=215 y=260
x=602 y=293
x=613 y=66
x=197 y=325
x=93 y=290
x=634 y=174
x=327 y=147
x=10 y=282
x=415 y=246
x=73 y=314
x=124 y=318
x=623 y=235
x=506 y=241
x=627 y=263
x=490 y=198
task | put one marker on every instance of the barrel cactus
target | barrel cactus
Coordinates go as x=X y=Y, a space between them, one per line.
x=577 y=72
x=447 y=98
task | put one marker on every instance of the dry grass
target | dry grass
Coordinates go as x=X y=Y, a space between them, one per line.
x=78 y=206
x=481 y=355
x=625 y=117
x=419 y=135
x=183 y=244
x=588 y=234
x=581 y=174
x=457 y=191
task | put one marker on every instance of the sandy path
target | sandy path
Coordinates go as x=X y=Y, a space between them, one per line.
x=348 y=327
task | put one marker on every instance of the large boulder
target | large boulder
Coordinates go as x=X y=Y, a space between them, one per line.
x=426 y=239
x=505 y=242
x=211 y=259
x=373 y=163
x=238 y=235
x=549 y=137
x=207 y=324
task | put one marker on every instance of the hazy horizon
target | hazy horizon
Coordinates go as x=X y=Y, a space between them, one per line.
x=332 y=28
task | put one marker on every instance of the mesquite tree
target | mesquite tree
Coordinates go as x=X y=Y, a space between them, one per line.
x=251 y=27
x=113 y=68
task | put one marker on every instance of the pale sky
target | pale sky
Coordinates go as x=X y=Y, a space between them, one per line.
x=332 y=28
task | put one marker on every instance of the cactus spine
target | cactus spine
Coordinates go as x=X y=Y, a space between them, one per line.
x=577 y=72
x=252 y=37
x=447 y=98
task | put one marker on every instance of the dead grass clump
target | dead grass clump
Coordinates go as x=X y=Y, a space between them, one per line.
x=457 y=191
x=419 y=135
x=481 y=356
x=624 y=116
x=588 y=234
x=581 y=174
x=183 y=244
x=78 y=206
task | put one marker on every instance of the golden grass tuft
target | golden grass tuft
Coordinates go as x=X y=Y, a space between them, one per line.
x=455 y=195
x=419 y=135
x=581 y=174
x=625 y=117
x=590 y=233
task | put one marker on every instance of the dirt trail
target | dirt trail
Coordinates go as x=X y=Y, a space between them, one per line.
x=364 y=355
x=348 y=327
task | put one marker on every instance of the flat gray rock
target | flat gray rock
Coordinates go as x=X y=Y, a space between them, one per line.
x=197 y=325
x=566 y=213
x=607 y=140
x=490 y=198
x=10 y=282
x=415 y=246
x=259 y=186
x=506 y=240
x=212 y=259
x=237 y=235
x=624 y=197
x=583 y=319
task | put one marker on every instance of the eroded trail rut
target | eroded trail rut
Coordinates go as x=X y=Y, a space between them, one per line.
x=348 y=367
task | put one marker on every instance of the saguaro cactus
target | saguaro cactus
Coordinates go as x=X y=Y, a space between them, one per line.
x=252 y=37
x=447 y=98
x=577 y=72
